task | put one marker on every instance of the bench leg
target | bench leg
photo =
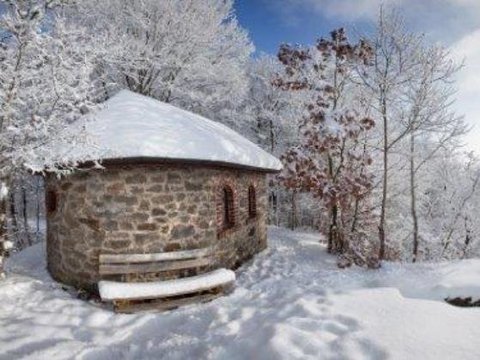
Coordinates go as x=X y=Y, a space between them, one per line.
x=128 y=307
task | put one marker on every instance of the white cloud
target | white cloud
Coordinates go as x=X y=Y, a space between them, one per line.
x=368 y=9
x=468 y=103
x=343 y=9
x=351 y=9
x=445 y=20
x=467 y=3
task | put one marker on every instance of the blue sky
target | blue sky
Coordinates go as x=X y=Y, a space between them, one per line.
x=269 y=26
x=453 y=23
x=271 y=22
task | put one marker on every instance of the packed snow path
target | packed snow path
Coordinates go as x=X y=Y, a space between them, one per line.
x=291 y=302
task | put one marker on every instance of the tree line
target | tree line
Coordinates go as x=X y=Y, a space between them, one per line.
x=366 y=130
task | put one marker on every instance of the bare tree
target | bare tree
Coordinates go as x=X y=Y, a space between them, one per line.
x=428 y=99
x=395 y=63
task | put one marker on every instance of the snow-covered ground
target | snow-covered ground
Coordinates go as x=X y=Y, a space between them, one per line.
x=291 y=302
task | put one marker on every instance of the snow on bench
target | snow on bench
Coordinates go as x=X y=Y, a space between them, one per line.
x=161 y=295
x=112 y=290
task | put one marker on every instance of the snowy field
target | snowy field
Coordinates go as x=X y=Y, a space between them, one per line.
x=290 y=303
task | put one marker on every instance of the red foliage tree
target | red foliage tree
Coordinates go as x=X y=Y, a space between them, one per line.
x=331 y=160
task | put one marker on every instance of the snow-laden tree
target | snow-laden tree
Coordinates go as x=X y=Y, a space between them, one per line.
x=45 y=84
x=26 y=210
x=275 y=116
x=394 y=65
x=451 y=203
x=409 y=89
x=275 y=112
x=332 y=160
x=430 y=120
x=190 y=53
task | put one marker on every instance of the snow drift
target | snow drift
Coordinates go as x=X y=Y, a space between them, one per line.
x=291 y=302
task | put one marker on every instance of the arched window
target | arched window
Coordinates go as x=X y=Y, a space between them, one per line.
x=228 y=209
x=51 y=202
x=252 y=202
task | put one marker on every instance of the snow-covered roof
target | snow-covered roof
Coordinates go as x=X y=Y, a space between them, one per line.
x=135 y=126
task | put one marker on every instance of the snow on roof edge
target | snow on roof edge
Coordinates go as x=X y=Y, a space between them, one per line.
x=164 y=160
x=134 y=126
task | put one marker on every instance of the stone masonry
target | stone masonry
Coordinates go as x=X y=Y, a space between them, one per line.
x=128 y=209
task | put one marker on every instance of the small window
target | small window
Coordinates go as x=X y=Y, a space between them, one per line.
x=228 y=215
x=252 y=202
x=51 y=202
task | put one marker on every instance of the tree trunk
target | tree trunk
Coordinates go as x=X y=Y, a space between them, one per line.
x=3 y=230
x=413 y=197
x=468 y=238
x=334 y=243
x=294 y=223
x=353 y=229
x=381 y=226
x=13 y=214
x=37 y=212
x=26 y=227
x=272 y=137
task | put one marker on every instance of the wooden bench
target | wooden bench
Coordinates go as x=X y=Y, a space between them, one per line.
x=128 y=297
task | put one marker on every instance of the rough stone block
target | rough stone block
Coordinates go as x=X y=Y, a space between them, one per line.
x=182 y=231
x=117 y=244
x=155 y=188
x=147 y=227
x=159 y=212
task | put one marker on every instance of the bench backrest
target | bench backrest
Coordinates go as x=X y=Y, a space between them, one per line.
x=122 y=264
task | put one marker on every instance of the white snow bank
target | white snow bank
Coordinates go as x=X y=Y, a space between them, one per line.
x=432 y=281
x=290 y=302
x=458 y=279
x=111 y=290
x=135 y=126
x=394 y=327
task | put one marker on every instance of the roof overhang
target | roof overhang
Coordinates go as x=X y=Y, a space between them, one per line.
x=152 y=161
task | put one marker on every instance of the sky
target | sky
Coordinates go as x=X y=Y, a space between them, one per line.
x=453 y=23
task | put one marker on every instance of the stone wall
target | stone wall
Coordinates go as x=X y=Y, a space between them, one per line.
x=145 y=209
